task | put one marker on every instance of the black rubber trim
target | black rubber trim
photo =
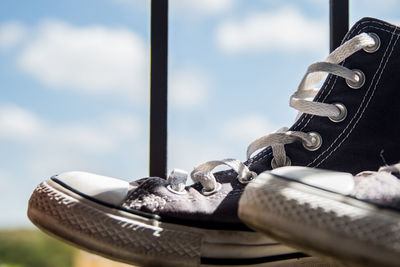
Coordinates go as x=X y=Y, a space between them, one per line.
x=377 y=205
x=274 y=258
x=198 y=224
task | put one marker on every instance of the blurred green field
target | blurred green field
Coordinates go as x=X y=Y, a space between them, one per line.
x=32 y=248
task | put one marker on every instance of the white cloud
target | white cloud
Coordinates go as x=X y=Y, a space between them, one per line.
x=188 y=88
x=246 y=128
x=188 y=8
x=203 y=7
x=280 y=30
x=11 y=34
x=46 y=164
x=94 y=59
x=102 y=137
x=18 y=124
x=83 y=137
x=125 y=126
x=101 y=60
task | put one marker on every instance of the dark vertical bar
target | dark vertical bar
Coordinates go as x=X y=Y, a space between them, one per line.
x=339 y=21
x=158 y=88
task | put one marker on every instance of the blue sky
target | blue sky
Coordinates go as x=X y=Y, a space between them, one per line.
x=74 y=82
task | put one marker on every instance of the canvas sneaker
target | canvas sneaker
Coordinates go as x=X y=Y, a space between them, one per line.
x=350 y=125
x=353 y=219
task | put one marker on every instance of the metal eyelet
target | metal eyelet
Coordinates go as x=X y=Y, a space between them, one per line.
x=316 y=142
x=274 y=165
x=215 y=190
x=373 y=48
x=360 y=76
x=183 y=192
x=342 y=113
x=245 y=180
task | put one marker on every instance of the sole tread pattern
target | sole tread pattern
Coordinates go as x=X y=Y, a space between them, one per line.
x=274 y=206
x=112 y=235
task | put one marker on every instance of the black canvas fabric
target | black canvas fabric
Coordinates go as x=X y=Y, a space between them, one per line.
x=366 y=139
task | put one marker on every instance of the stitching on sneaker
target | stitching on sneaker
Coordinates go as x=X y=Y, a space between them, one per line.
x=310 y=116
x=322 y=92
x=327 y=93
x=362 y=106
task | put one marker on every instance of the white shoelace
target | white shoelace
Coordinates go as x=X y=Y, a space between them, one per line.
x=336 y=112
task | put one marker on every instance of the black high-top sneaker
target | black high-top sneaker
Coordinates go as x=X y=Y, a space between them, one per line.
x=351 y=124
x=351 y=219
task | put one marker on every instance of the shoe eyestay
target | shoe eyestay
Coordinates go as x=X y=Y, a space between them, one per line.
x=377 y=43
x=342 y=113
x=217 y=187
x=359 y=80
x=316 y=142
x=248 y=178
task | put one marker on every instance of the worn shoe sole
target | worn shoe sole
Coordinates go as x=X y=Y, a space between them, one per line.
x=322 y=222
x=127 y=237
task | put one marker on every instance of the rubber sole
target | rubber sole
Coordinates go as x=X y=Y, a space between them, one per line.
x=321 y=222
x=133 y=239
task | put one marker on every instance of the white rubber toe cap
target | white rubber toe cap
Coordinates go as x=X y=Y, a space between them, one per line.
x=107 y=189
x=340 y=182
